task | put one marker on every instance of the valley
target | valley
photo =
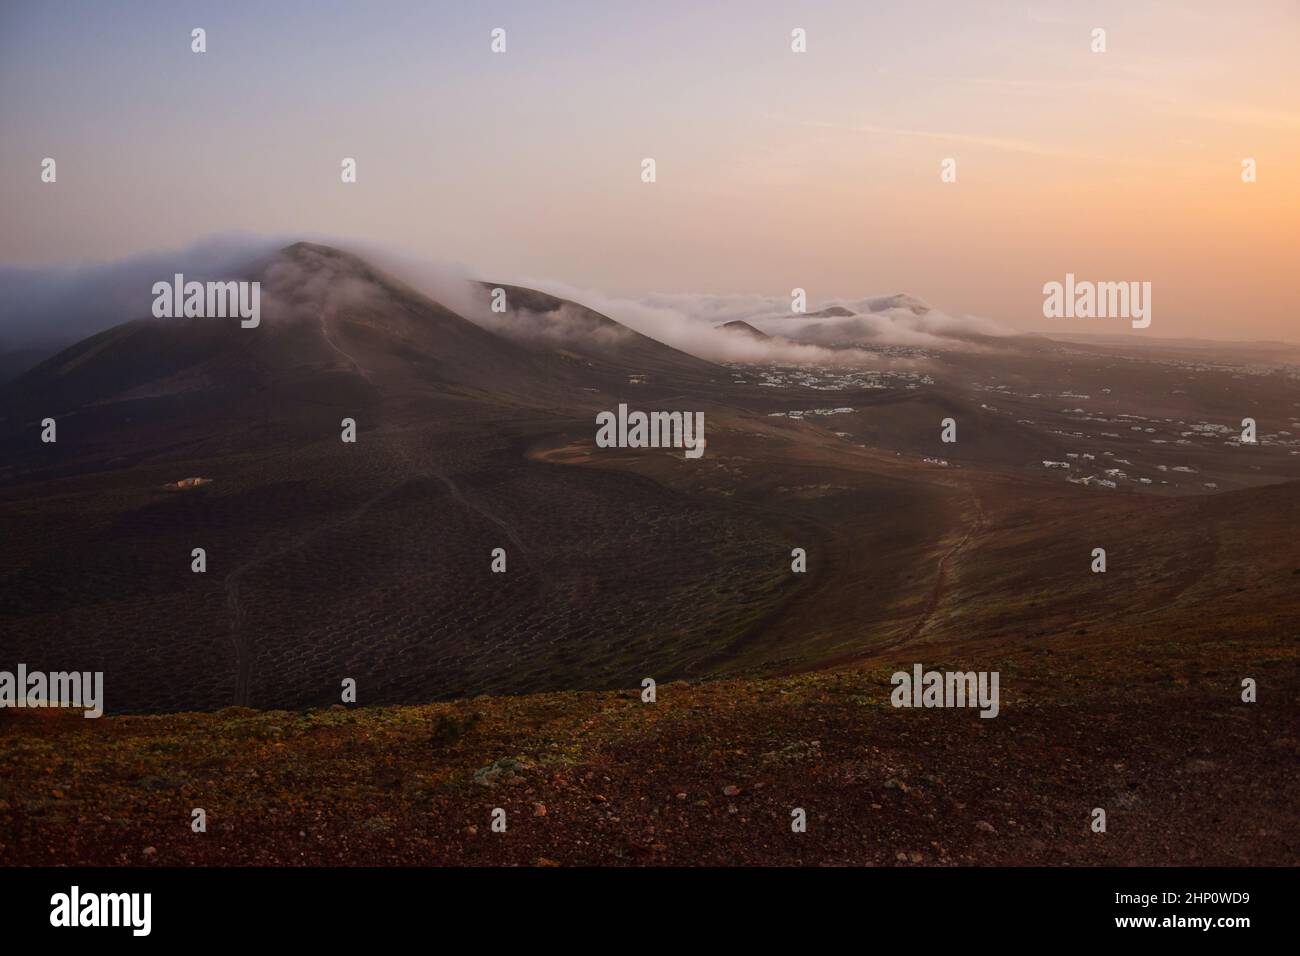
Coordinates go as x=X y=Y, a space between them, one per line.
x=372 y=563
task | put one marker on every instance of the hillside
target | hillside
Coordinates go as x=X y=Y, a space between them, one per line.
x=549 y=324
x=373 y=561
x=708 y=774
x=740 y=327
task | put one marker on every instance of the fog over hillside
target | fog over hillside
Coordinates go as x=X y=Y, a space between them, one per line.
x=689 y=321
x=46 y=308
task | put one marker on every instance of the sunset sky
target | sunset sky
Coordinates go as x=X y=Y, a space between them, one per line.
x=775 y=169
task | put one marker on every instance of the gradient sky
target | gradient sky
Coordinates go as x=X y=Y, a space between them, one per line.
x=775 y=169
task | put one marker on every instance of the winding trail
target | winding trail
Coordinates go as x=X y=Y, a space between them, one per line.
x=478 y=509
x=329 y=340
x=945 y=562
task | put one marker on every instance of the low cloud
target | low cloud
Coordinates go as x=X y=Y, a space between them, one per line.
x=60 y=304
x=691 y=322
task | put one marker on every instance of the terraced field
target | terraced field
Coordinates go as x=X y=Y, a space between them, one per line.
x=328 y=562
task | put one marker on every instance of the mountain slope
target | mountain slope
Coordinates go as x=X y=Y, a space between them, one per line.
x=741 y=327
x=323 y=313
x=547 y=323
x=335 y=334
x=1144 y=720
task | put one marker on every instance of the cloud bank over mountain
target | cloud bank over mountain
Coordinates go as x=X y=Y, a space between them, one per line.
x=56 y=305
x=691 y=322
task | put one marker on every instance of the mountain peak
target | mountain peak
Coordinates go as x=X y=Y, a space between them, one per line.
x=899 y=300
x=741 y=327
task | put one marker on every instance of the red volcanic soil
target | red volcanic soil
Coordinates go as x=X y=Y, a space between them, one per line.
x=709 y=774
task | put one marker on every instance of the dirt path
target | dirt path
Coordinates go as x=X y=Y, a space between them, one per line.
x=478 y=509
x=428 y=468
x=945 y=562
x=329 y=340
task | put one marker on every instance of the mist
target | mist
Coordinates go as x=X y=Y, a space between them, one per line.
x=47 y=308
x=692 y=322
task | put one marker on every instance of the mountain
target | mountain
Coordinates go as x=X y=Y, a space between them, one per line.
x=883 y=303
x=548 y=324
x=831 y=312
x=741 y=327
x=325 y=314
x=335 y=333
x=898 y=301
x=373 y=561
x=370 y=558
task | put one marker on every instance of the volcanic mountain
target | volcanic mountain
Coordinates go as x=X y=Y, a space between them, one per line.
x=473 y=544
x=551 y=325
x=335 y=333
x=899 y=300
x=831 y=312
x=363 y=449
x=883 y=303
x=372 y=558
x=741 y=327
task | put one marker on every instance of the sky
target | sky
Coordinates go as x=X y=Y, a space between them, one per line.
x=774 y=169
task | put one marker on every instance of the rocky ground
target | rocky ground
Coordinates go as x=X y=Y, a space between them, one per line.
x=1154 y=733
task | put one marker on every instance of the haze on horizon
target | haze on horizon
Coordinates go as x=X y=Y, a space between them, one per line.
x=774 y=169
